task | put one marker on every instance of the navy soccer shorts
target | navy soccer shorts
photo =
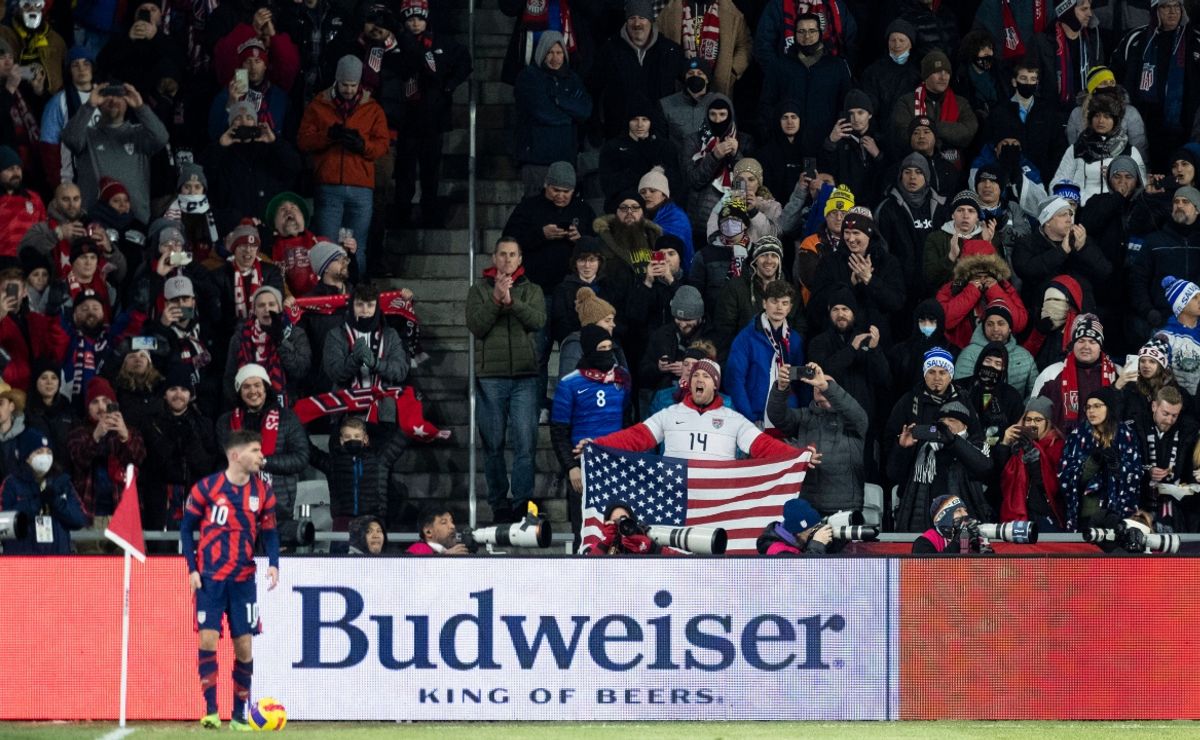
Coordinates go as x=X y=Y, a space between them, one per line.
x=237 y=600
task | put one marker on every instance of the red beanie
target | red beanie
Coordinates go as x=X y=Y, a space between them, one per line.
x=98 y=387
x=110 y=188
x=251 y=48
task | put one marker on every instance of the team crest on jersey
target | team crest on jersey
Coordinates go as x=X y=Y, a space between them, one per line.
x=254 y=503
x=536 y=7
x=718 y=423
x=200 y=616
x=130 y=149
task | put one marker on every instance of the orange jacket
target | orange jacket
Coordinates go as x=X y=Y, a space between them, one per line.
x=332 y=163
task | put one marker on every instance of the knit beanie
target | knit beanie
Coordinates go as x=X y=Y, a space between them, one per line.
x=418 y=8
x=189 y=170
x=993 y=173
x=560 y=175
x=1051 y=208
x=859 y=219
x=590 y=246
x=99 y=387
x=841 y=295
x=766 y=245
x=179 y=376
x=904 y=27
x=30 y=441
x=1088 y=326
x=920 y=122
x=841 y=199
x=1157 y=349
x=748 y=164
x=712 y=368
x=687 y=305
x=1099 y=75
x=252 y=48
x=640 y=8
x=858 y=99
x=83 y=245
x=655 y=179
x=244 y=234
x=799 y=515
x=1179 y=292
x=937 y=357
x=934 y=61
x=940 y=502
x=1191 y=193
x=349 y=69
x=9 y=158
x=591 y=308
x=267 y=289
x=916 y=160
x=1040 y=405
x=998 y=307
x=955 y=410
x=110 y=188
x=239 y=108
x=966 y=198
x=322 y=255
x=250 y=370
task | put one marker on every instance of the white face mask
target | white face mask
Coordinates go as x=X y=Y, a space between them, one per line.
x=32 y=18
x=41 y=462
x=732 y=227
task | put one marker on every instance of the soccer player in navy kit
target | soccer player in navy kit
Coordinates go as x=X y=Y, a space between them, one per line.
x=231 y=508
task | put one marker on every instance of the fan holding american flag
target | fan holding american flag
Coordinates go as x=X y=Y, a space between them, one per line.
x=698 y=481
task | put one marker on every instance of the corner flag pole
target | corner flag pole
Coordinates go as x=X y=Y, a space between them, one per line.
x=125 y=529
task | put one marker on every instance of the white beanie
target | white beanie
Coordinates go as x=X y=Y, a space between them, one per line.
x=250 y=370
x=656 y=179
x=1051 y=208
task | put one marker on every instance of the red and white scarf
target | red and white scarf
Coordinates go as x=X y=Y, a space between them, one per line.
x=1014 y=45
x=1070 y=384
x=947 y=111
x=702 y=36
x=244 y=285
x=269 y=429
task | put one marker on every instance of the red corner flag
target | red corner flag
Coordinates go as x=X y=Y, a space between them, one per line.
x=125 y=527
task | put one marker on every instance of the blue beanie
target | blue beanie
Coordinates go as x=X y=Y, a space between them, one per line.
x=8 y=157
x=799 y=515
x=937 y=357
x=1179 y=292
x=30 y=441
x=939 y=502
x=80 y=52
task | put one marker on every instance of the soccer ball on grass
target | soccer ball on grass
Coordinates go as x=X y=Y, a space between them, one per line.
x=267 y=714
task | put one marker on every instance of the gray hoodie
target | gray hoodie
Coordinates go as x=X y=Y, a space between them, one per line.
x=121 y=152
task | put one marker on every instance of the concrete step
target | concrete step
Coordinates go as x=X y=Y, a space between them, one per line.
x=489 y=92
x=488 y=166
x=487 y=20
x=436 y=265
x=486 y=116
x=488 y=141
x=437 y=241
x=503 y=192
x=488 y=216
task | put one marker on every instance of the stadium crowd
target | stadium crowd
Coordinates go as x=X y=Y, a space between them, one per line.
x=952 y=246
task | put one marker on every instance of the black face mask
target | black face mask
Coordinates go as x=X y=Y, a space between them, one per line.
x=354 y=446
x=695 y=85
x=600 y=360
x=365 y=324
x=983 y=64
x=989 y=376
x=1026 y=89
x=722 y=128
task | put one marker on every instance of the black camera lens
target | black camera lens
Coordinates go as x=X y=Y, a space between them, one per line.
x=628 y=526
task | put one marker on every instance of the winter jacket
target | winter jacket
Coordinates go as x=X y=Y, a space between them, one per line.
x=710 y=275
x=245 y=177
x=295 y=357
x=20 y=492
x=586 y=405
x=964 y=304
x=52 y=54
x=624 y=73
x=1184 y=342
x=342 y=369
x=360 y=483
x=884 y=81
x=1088 y=172
x=1037 y=260
x=121 y=152
x=770 y=32
x=1127 y=64
x=961 y=466
x=936 y=29
x=505 y=336
x=1022 y=371
x=674 y=220
x=650 y=305
x=429 y=113
x=1088 y=378
x=91 y=461
x=904 y=230
x=333 y=163
x=684 y=114
x=550 y=107
x=733 y=43
x=625 y=261
x=563 y=317
x=25 y=337
x=273 y=106
x=19 y=212
x=1131 y=123
x=739 y=302
x=180 y=450
x=1029 y=488
x=1040 y=133
x=1113 y=474
x=547 y=262
x=1174 y=250
x=877 y=300
x=623 y=161
x=862 y=372
x=838 y=433
x=906 y=357
x=819 y=90
x=953 y=136
x=55 y=419
x=750 y=369
x=853 y=166
x=764 y=216
x=701 y=172
x=666 y=341
x=287 y=462
x=585 y=22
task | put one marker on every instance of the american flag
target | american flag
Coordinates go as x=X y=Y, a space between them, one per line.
x=742 y=496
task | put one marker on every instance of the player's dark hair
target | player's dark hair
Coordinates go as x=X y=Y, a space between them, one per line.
x=428 y=516
x=241 y=438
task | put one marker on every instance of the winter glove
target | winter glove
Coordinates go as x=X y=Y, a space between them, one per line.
x=336 y=133
x=608 y=534
x=1045 y=325
x=361 y=353
x=353 y=141
x=275 y=328
x=637 y=544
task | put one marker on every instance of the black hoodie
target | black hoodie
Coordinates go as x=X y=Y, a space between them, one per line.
x=358 y=534
x=905 y=358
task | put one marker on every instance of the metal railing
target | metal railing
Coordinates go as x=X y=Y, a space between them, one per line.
x=472 y=239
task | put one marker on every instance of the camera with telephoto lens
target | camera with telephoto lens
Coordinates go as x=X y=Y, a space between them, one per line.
x=850 y=526
x=698 y=540
x=14 y=525
x=1133 y=536
x=627 y=526
x=1021 y=533
x=532 y=531
x=297 y=532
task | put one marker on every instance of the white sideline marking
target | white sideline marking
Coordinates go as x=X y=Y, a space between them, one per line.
x=117 y=734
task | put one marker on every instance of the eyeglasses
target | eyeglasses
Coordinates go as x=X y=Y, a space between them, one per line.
x=629 y=209
x=1034 y=420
